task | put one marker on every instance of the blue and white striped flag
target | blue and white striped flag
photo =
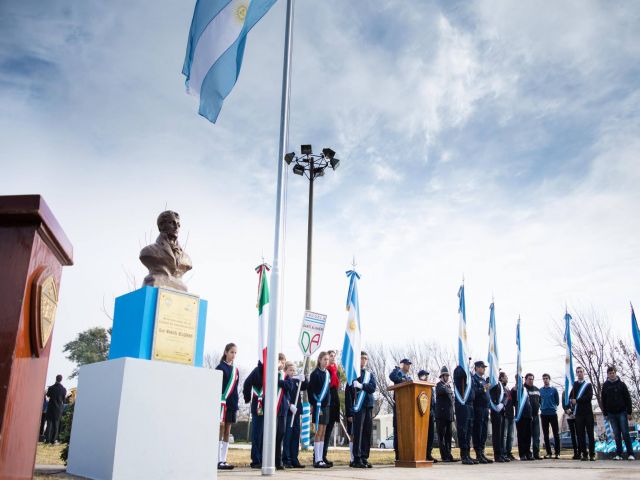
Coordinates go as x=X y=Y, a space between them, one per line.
x=352 y=335
x=463 y=347
x=569 y=377
x=216 y=45
x=635 y=333
x=522 y=392
x=492 y=358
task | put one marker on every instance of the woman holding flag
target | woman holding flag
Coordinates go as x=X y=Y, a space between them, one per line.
x=318 y=390
x=228 y=401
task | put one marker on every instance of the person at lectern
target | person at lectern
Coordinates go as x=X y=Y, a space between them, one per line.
x=480 y=386
x=359 y=401
x=444 y=415
x=228 y=402
x=398 y=375
x=424 y=376
x=464 y=415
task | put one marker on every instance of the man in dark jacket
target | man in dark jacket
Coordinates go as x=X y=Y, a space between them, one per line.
x=56 y=394
x=359 y=401
x=581 y=396
x=508 y=422
x=464 y=414
x=398 y=375
x=497 y=395
x=252 y=392
x=444 y=415
x=534 y=397
x=424 y=376
x=616 y=407
x=523 y=424
x=480 y=412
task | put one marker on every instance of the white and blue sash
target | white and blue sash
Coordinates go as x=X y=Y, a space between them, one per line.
x=494 y=406
x=320 y=398
x=583 y=387
x=361 y=394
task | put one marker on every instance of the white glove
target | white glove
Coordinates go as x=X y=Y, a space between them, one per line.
x=357 y=384
x=293 y=409
x=299 y=377
x=500 y=407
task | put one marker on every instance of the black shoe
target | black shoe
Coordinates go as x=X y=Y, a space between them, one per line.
x=584 y=459
x=447 y=460
x=467 y=461
x=350 y=464
x=548 y=456
x=511 y=457
x=320 y=465
x=279 y=467
x=359 y=465
x=537 y=457
x=486 y=459
x=506 y=459
x=480 y=459
x=328 y=462
x=367 y=464
x=592 y=458
x=297 y=465
x=500 y=460
x=431 y=459
x=255 y=465
x=575 y=457
x=224 y=466
x=287 y=465
x=530 y=458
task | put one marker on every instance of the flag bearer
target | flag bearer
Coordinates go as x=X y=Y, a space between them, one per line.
x=581 y=396
x=334 y=408
x=480 y=411
x=444 y=415
x=252 y=391
x=228 y=402
x=359 y=403
x=399 y=375
x=320 y=399
x=464 y=415
x=291 y=445
x=498 y=398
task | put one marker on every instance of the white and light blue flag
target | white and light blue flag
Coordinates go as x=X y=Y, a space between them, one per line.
x=635 y=333
x=463 y=347
x=569 y=377
x=352 y=336
x=216 y=45
x=522 y=392
x=492 y=358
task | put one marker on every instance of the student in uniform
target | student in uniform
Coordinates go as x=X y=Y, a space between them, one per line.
x=320 y=399
x=291 y=445
x=285 y=387
x=464 y=415
x=581 y=396
x=359 y=401
x=334 y=408
x=523 y=426
x=498 y=398
x=252 y=392
x=228 y=402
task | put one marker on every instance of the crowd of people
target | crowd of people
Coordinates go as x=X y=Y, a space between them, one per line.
x=469 y=402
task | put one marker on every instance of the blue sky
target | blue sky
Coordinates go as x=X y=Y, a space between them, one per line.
x=498 y=140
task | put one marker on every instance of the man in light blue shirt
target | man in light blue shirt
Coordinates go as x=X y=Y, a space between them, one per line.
x=549 y=401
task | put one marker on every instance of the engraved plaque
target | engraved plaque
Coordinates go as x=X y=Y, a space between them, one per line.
x=176 y=326
x=44 y=303
x=423 y=403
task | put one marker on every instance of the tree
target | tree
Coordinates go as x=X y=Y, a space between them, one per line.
x=90 y=346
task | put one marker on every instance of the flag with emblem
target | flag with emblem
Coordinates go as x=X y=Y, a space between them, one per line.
x=493 y=359
x=569 y=377
x=463 y=347
x=263 y=301
x=352 y=335
x=635 y=333
x=215 y=49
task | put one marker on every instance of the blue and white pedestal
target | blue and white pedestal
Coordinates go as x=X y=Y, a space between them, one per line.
x=139 y=419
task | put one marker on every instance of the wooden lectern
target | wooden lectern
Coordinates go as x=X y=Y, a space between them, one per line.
x=413 y=403
x=33 y=249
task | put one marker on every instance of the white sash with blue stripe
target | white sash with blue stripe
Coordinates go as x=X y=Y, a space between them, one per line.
x=362 y=394
x=579 y=395
x=320 y=398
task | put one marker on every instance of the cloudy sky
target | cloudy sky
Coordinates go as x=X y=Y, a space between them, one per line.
x=495 y=140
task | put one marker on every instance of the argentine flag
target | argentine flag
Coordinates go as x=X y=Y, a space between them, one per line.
x=635 y=333
x=463 y=347
x=522 y=392
x=352 y=335
x=569 y=378
x=216 y=45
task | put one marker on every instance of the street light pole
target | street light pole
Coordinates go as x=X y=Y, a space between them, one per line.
x=307 y=304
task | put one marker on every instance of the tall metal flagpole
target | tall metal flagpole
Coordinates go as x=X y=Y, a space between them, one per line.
x=270 y=414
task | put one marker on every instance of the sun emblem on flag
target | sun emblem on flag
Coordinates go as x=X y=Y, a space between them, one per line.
x=352 y=325
x=241 y=12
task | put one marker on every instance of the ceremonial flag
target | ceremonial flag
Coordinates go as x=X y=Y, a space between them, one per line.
x=263 y=301
x=215 y=49
x=352 y=336
x=493 y=359
x=463 y=348
x=635 y=333
x=522 y=392
x=569 y=377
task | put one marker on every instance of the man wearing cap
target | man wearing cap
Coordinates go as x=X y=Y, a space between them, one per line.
x=399 y=375
x=464 y=415
x=444 y=415
x=480 y=411
x=424 y=376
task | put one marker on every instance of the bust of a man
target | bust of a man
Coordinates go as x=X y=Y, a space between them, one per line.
x=165 y=259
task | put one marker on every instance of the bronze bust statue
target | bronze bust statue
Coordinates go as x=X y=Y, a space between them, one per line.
x=165 y=259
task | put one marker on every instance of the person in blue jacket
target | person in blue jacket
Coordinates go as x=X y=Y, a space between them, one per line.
x=228 y=402
x=359 y=401
x=399 y=374
x=285 y=387
x=252 y=392
x=291 y=444
x=549 y=402
x=464 y=414
x=480 y=386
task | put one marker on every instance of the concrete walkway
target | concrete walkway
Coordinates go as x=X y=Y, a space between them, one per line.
x=547 y=470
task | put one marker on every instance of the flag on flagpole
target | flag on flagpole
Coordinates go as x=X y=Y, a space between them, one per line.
x=493 y=359
x=635 y=333
x=215 y=49
x=569 y=377
x=263 y=302
x=522 y=392
x=463 y=347
x=352 y=335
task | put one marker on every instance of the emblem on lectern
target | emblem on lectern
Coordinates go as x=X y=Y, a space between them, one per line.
x=44 y=303
x=423 y=403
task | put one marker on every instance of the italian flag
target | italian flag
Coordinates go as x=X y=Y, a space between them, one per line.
x=263 y=314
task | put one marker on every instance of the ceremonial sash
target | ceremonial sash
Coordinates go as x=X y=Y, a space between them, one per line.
x=361 y=393
x=258 y=394
x=280 y=391
x=320 y=398
x=522 y=398
x=494 y=406
x=233 y=380
x=579 y=395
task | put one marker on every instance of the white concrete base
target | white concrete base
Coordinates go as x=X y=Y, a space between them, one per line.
x=141 y=419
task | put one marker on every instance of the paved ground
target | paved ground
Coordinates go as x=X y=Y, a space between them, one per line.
x=547 y=470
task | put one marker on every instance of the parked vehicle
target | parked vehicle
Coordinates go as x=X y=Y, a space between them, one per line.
x=386 y=443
